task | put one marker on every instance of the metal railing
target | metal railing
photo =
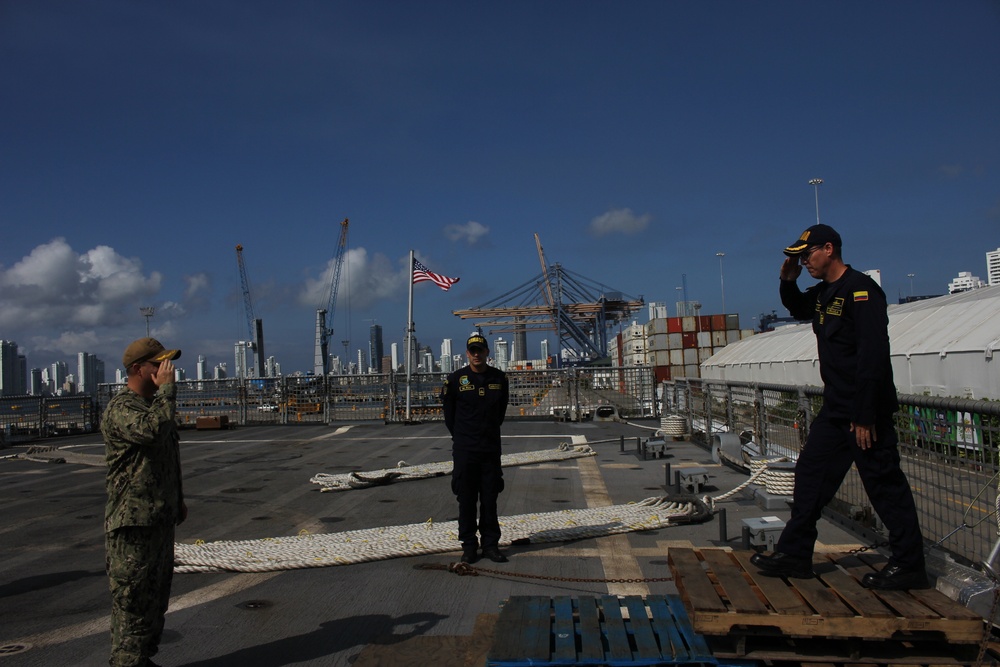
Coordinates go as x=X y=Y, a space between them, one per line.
x=949 y=448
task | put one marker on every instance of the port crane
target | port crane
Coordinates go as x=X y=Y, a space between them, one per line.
x=578 y=309
x=255 y=325
x=321 y=359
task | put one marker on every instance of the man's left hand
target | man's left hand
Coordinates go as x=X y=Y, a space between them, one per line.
x=865 y=435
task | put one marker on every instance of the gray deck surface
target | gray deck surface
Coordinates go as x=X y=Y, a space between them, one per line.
x=249 y=483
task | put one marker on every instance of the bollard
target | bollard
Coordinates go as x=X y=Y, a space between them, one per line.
x=638 y=444
x=723 y=528
x=746 y=537
x=666 y=479
x=677 y=483
x=621 y=443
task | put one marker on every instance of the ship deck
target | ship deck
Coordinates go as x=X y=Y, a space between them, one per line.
x=253 y=482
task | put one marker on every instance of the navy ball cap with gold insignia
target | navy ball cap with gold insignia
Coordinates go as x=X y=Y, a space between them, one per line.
x=817 y=235
x=476 y=340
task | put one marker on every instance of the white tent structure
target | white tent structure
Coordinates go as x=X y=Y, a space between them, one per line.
x=941 y=347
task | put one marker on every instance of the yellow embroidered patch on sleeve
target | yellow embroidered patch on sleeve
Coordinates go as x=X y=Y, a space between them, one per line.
x=861 y=296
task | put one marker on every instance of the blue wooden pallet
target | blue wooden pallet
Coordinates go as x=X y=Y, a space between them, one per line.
x=588 y=630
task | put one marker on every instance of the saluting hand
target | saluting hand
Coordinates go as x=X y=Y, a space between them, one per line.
x=164 y=374
x=791 y=269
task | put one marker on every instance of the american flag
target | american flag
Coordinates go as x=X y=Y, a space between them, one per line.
x=421 y=274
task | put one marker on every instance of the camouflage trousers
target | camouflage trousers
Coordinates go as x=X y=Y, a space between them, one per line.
x=140 y=566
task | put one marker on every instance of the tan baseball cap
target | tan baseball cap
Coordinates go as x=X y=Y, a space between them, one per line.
x=147 y=349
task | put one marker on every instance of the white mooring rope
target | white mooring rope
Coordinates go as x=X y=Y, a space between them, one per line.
x=404 y=473
x=359 y=546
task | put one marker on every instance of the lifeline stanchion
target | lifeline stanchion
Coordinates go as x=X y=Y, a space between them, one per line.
x=666 y=471
x=723 y=528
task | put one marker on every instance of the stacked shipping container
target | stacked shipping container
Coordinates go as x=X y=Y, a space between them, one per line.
x=676 y=346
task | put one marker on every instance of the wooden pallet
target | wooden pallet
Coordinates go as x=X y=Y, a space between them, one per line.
x=726 y=596
x=604 y=630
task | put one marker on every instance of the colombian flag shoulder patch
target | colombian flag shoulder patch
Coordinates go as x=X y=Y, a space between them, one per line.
x=861 y=296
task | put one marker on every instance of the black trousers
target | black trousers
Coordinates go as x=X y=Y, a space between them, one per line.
x=822 y=465
x=477 y=479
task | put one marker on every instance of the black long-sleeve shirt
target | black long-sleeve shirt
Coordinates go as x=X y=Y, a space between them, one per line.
x=475 y=405
x=851 y=322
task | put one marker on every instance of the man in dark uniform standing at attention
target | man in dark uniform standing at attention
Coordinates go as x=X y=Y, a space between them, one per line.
x=475 y=403
x=855 y=425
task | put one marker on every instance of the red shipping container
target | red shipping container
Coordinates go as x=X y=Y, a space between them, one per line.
x=718 y=322
x=674 y=325
x=689 y=340
x=704 y=323
x=661 y=373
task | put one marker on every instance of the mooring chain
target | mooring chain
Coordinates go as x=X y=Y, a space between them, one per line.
x=987 y=628
x=467 y=570
x=876 y=545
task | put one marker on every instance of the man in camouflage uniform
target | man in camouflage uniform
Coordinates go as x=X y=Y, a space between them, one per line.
x=145 y=500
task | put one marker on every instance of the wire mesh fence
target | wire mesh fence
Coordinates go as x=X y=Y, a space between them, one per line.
x=948 y=449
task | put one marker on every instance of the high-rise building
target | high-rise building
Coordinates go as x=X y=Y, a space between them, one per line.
x=427 y=361
x=375 y=350
x=201 y=370
x=10 y=384
x=362 y=362
x=35 y=385
x=993 y=267
x=242 y=358
x=545 y=348
x=519 y=349
x=446 y=356
x=219 y=372
x=501 y=353
x=58 y=372
x=394 y=351
x=89 y=373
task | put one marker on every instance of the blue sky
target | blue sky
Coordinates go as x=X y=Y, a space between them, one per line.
x=140 y=142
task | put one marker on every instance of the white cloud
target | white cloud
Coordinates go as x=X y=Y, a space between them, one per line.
x=471 y=232
x=619 y=221
x=56 y=287
x=363 y=279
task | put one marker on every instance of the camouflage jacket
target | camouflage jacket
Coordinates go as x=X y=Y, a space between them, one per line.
x=143 y=457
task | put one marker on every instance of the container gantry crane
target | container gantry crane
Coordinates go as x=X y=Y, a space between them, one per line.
x=321 y=359
x=255 y=326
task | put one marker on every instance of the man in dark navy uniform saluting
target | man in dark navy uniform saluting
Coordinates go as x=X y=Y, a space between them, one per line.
x=475 y=403
x=849 y=317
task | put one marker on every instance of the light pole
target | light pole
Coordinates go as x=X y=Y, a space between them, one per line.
x=910 y=276
x=679 y=302
x=722 y=280
x=816 y=182
x=147 y=312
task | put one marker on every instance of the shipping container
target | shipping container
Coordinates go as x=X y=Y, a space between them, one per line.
x=662 y=373
x=704 y=339
x=675 y=341
x=656 y=326
x=746 y=333
x=718 y=322
x=704 y=323
x=674 y=325
x=676 y=357
x=691 y=356
x=732 y=336
x=677 y=371
x=732 y=321
x=689 y=323
x=719 y=338
x=692 y=370
x=704 y=354
x=689 y=339
x=658 y=358
x=657 y=341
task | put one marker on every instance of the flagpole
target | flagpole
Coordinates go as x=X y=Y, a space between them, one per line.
x=409 y=337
